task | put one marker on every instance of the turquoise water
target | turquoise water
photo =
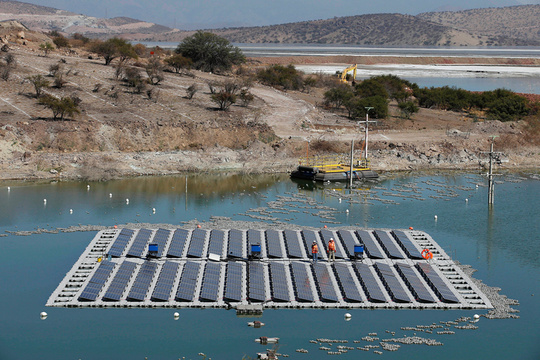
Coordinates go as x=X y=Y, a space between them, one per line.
x=502 y=244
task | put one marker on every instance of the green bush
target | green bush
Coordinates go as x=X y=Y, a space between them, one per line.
x=286 y=77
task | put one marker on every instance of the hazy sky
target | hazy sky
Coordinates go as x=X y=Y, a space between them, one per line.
x=189 y=14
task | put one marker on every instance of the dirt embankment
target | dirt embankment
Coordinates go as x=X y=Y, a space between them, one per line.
x=160 y=131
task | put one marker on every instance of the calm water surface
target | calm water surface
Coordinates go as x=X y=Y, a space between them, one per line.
x=502 y=244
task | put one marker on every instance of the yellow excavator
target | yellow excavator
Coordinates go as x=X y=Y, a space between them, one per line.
x=343 y=76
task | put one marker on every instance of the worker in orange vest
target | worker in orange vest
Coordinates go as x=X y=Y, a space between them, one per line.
x=331 y=250
x=314 y=251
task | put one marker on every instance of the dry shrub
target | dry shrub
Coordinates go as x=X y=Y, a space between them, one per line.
x=324 y=146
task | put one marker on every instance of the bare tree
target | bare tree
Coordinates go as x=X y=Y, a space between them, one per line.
x=39 y=82
x=154 y=70
x=191 y=90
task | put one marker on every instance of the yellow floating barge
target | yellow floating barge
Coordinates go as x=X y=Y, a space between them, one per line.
x=333 y=168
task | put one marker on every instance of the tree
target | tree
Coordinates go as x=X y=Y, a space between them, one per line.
x=210 y=52
x=245 y=97
x=178 y=62
x=338 y=95
x=408 y=108
x=226 y=95
x=191 y=90
x=61 y=107
x=154 y=70
x=46 y=48
x=356 y=106
x=39 y=82
x=278 y=75
x=114 y=48
x=134 y=79
x=371 y=87
x=60 y=41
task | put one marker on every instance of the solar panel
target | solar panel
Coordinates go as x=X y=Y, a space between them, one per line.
x=370 y=244
x=165 y=282
x=161 y=238
x=97 y=281
x=120 y=281
x=188 y=281
x=197 y=243
x=217 y=239
x=210 y=285
x=280 y=289
x=142 y=281
x=309 y=237
x=119 y=245
x=273 y=243
x=233 y=281
x=438 y=286
x=406 y=244
x=139 y=246
x=347 y=283
x=414 y=284
x=369 y=283
x=349 y=240
x=256 y=284
x=326 y=235
x=178 y=242
x=388 y=244
x=396 y=291
x=236 y=244
x=292 y=241
x=302 y=283
x=326 y=287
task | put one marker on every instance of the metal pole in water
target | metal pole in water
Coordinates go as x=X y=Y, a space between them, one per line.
x=490 y=176
x=352 y=165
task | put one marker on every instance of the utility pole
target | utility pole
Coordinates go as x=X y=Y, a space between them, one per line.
x=367 y=121
x=352 y=164
x=491 y=188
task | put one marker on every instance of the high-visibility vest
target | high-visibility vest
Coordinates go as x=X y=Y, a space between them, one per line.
x=314 y=249
x=332 y=246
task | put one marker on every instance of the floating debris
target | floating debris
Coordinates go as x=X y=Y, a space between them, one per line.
x=304 y=351
x=415 y=340
x=390 y=347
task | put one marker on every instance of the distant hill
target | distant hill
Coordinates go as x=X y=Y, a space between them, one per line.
x=517 y=22
x=45 y=19
x=509 y=26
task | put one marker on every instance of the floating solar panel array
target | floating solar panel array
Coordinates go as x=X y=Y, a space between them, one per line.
x=185 y=275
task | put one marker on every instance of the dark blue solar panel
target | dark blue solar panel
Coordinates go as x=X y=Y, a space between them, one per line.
x=211 y=279
x=217 y=240
x=178 y=242
x=97 y=281
x=388 y=244
x=326 y=287
x=120 y=281
x=236 y=244
x=414 y=284
x=197 y=243
x=370 y=244
x=273 y=244
x=256 y=282
x=164 y=285
x=294 y=245
x=280 y=289
x=140 y=244
x=119 y=245
x=188 y=281
x=309 y=237
x=347 y=283
x=161 y=238
x=369 y=283
x=437 y=284
x=233 y=281
x=326 y=235
x=388 y=277
x=407 y=245
x=349 y=240
x=302 y=283
x=142 y=281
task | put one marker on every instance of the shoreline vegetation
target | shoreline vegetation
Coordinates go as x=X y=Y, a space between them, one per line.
x=136 y=111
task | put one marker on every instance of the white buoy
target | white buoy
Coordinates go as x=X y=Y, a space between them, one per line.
x=176 y=316
x=87 y=187
x=43 y=315
x=110 y=195
x=127 y=201
x=339 y=199
x=477 y=186
x=8 y=188
x=154 y=210
x=44 y=201
x=71 y=211
x=348 y=316
x=347 y=211
x=476 y=316
x=435 y=217
x=466 y=200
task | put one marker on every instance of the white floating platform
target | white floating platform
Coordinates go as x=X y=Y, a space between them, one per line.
x=258 y=269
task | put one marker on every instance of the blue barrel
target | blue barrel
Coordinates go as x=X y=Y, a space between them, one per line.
x=255 y=248
x=359 y=250
x=152 y=247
